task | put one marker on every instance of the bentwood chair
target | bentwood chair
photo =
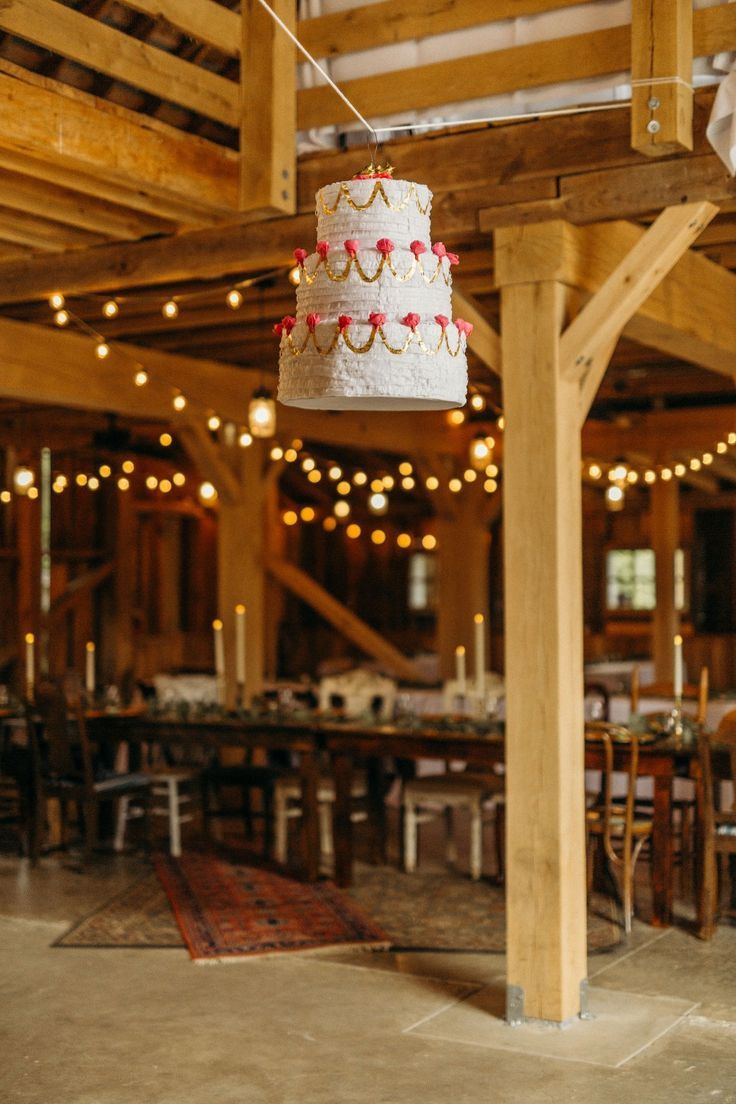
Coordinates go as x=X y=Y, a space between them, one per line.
x=615 y=821
x=717 y=821
x=64 y=767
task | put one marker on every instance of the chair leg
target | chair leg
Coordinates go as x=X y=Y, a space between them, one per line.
x=120 y=822
x=450 y=845
x=325 y=827
x=281 y=826
x=90 y=828
x=476 y=843
x=172 y=787
x=686 y=852
x=247 y=811
x=410 y=837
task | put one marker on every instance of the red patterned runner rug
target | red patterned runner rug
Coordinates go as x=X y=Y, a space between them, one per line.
x=228 y=909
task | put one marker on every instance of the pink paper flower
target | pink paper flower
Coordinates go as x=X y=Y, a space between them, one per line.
x=300 y=256
x=376 y=319
x=439 y=249
x=411 y=320
x=288 y=322
x=312 y=321
x=463 y=327
x=453 y=258
x=352 y=245
x=323 y=248
x=417 y=248
x=442 y=320
x=344 y=321
x=385 y=246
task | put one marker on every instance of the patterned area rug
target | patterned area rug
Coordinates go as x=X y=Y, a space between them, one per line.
x=217 y=903
x=228 y=908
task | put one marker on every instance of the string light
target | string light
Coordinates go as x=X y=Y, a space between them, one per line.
x=314 y=476
x=234 y=299
x=405 y=468
x=170 y=309
x=33 y=492
x=329 y=524
x=341 y=508
x=353 y=531
x=290 y=517
x=404 y=540
x=151 y=482
x=360 y=479
x=207 y=492
x=128 y=466
x=165 y=440
x=408 y=482
x=245 y=440
x=105 y=471
x=214 y=422
x=56 y=301
x=429 y=542
x=123 y=483
x=335 y=472
x=179 y=479
x=276 y=453
x=477 y=402
x=431 y=483
x=307 y=513
x=102 y=350
x=455 y=485
x=378 y=536
x=141 y=379
x=343 y=487
x=93 y=483
x=61 y=318
x=110 y=309
x=179 y=402
x=456 y=417
x=165 y=486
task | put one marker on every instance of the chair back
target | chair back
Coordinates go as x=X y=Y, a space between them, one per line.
x=663 y=689
x=608 y=735
x=717 y=760
x=62 y=731
x=361 y=691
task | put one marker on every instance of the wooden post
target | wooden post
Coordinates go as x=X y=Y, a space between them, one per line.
x=546 y=901
x=268 y=106
x=664 y=501
x=661 y=51
x=240 y=572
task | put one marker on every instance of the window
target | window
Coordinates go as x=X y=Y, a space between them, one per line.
x=630 y=579
x=422 y=582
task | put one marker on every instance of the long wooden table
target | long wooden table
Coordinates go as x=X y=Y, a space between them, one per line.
x=663 y=761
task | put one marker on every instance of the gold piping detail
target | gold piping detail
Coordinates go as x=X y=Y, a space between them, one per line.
x=385 y=261
x=413 y=338
x=378 y=190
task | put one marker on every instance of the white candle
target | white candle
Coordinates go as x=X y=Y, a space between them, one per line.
x=240 y=645
x=460 y=669
x=219 y=660
x=30 y=665
x=678 y=666
x=480 y=654
x=89 y=670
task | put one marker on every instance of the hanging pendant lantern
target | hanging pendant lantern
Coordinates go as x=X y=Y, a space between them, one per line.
x=262 y=413
x=373 y=328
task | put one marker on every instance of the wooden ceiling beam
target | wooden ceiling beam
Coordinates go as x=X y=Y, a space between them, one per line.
x=106 y=50
x=268 y=110
x=661 y=74
x=201 y=19
x=383 y=24
x=667 y=433
x=573 y=57
x=66 y=137
x=484 y=340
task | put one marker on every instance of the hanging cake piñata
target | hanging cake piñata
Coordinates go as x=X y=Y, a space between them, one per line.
x=373 y=327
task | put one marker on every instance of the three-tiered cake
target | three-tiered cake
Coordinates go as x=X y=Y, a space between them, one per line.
x=373 y=327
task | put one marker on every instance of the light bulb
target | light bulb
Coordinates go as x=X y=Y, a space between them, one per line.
x=170 y=309
x=61 y=317
x=102 y=350
x=179 y=402
x=110 y=308
x=234 y=299
x=140 y=379
x=56 y=301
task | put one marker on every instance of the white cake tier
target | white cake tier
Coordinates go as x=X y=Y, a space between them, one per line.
x=403 y=215
x=421 y=285
x=429 y=372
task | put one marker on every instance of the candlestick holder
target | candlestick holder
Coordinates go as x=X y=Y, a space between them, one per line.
x=240 y=696
x=674 y=724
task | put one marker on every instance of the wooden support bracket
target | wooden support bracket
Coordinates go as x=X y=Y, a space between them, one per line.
x=211 y=462
x=484 y=340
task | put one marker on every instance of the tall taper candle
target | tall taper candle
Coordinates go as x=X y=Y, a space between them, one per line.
x=460 y=670
x=240 y=644
x=480 y=654
x=678 y=666
x=30 y=665
x=89 y=669
x=219 y=661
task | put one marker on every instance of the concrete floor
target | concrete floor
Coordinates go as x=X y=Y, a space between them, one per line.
x=129 y=1026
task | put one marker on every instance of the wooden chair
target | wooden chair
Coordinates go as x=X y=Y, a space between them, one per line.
x=717 y=825
x=287 y=795
x=64 y=767
x=244 y=776
x=615 y=822
x=432 y=795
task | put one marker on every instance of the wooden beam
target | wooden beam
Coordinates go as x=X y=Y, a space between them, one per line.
x=346 y=32
x=66 y=137
x=74 y=208
x=688 y=315
x=201 y=19
x=122 y=57
x=484 y=340
x=587 y=344
x=666 y=433
x=574 y=57
x=661 y=76
x=343 y=619
x=43 y=233
x=545 y=894
x=79 y=590
x=631 y=282
x=210 y=461
x=268 y=111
